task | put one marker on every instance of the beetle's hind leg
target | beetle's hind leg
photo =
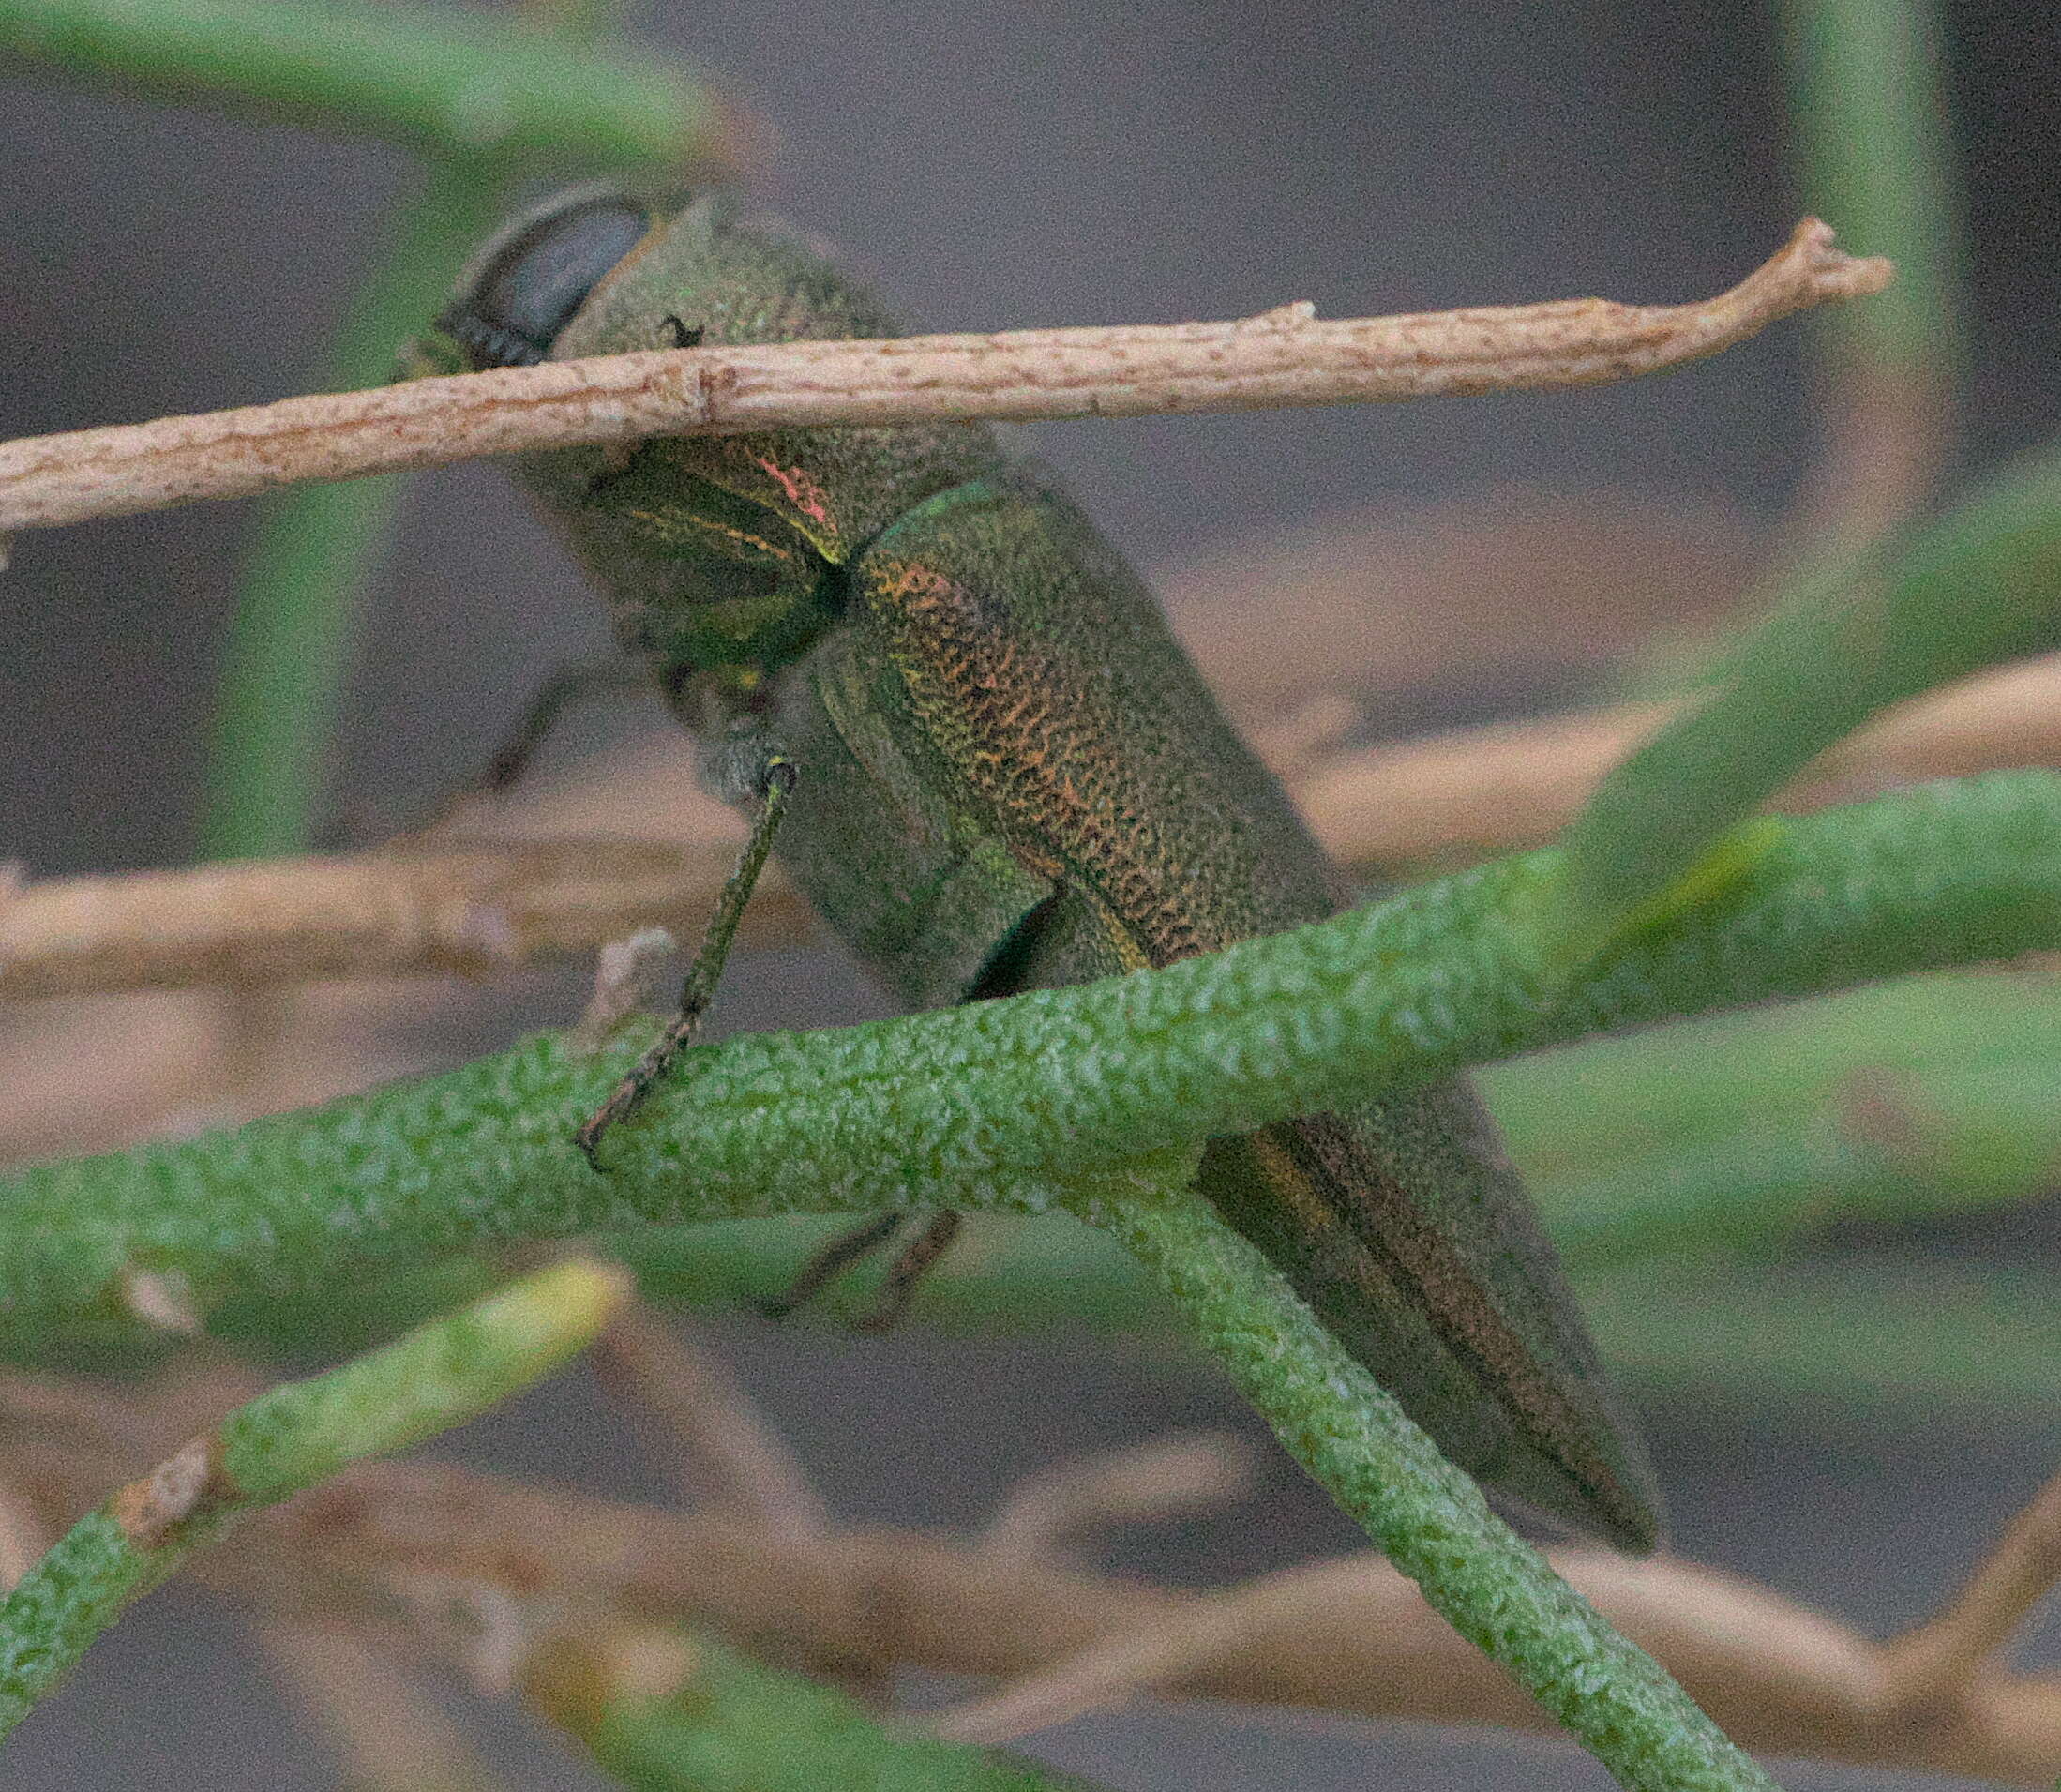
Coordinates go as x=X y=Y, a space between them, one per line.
x=830 y=1260
x=834 y=1258
x=775 y=785
x=907 y=1270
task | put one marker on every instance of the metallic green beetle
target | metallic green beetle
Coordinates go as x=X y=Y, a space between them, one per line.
x=994 y=770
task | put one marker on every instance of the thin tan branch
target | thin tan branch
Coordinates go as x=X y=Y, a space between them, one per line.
x=1940 y=1660
x=487 y=907
x=23 y=1537
x=626 y=981
x=1479 y=792
x=474 y=910
x=1500 y=592
x=1284 y=357
x=1350 y=1637
x=1110 y=1672
x=723 y=1452
x=1161 y=1478
x=392 y=1736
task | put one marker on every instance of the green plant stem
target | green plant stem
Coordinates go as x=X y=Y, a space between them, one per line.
x=1869 y=114
x=1978 y=586
x=1426 y=1515
x=664 y=1712
x=1735 y=1135
x=1928 y=1343
x=281 y=1442
x=315 y=548
x=444 y=80
x=997 y=1104
x=1926 y=1098
x=1980 y=1340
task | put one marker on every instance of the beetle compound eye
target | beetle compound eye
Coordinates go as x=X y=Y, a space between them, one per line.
x=515 y=306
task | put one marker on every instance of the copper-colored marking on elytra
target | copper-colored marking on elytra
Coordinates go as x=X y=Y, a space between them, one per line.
x=187 y=1485
x=1027 y=754
x=729 y=531
x=1295 y=1186
x=998 y=706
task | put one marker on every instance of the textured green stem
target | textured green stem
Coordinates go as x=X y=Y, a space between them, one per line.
x=281 y=1442
x=315 y=548
x=1733 y=1136
x=445 y=79
x=1426 y=1515
x=663 y=1712
x=1978 y=586
x=996 y=1105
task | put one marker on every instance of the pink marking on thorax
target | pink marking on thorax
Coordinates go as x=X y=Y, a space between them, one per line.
x=801 y=491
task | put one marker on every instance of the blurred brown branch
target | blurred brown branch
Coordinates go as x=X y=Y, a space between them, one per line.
x=1349 y=1637
x=484 y=906
x=715 y=1443
x=470 y=909
x=1465 y=795
x=390 y=1735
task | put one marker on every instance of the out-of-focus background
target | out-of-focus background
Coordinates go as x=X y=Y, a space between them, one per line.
x=996 y=166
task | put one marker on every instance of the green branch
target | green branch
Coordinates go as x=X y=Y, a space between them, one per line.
x=1980 y=585
x=447 y=80
x=1953 y=1343
x=997 y=1104
x=664 y=1712
x=1869 y=111
x=1920 y=1099
x=281 y=1442
x=316 y=545
x=1427 y=1516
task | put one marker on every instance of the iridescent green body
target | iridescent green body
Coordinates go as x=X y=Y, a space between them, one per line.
x=1009 y=777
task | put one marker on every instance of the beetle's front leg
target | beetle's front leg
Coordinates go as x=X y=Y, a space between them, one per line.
x=774 y=782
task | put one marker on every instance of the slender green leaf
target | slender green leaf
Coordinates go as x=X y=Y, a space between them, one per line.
x=443 y=79
x=665 y=1712
x=316 y=547
x=282 y=1441
x=1980 y=585
x=1426 y=1515
x=1869 y=110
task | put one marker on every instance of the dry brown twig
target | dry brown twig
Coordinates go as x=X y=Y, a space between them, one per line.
x=23 y=1537
x=1349 y=1636
x=390 y=1736
x=1285 y=356
x=1461 y=796
x=471 y=909
x=1045 y=1513
x=491 y=905
x=1502 y=592
x=723 y=1455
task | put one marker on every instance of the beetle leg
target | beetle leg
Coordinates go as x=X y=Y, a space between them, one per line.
x=777 y=784
x=831 y=1260
x=910 y=1268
